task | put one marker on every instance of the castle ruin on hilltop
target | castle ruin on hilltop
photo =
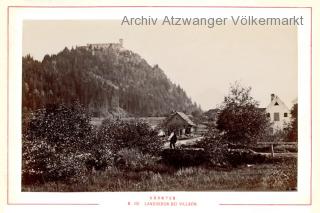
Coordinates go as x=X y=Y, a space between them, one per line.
x=104 y=46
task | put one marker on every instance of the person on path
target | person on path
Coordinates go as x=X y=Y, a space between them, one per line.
x=173 y=140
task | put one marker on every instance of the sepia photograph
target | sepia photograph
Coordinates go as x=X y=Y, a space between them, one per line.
x=113 y=107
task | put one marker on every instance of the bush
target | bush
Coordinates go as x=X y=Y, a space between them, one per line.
x=100 y=158
x=225 y=154
x=117 y=135
x=62 y=126
x=215 y=146
x=134 y=160
x=284 y=177
x=179 y=158
x=238 y=157
x=291 y=129
x=55 y=144
x=240 y=118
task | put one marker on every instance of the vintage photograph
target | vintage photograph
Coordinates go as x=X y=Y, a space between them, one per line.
x=109 y=107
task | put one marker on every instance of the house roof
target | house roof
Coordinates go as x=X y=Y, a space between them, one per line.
x=277 y=100
x=186 y=118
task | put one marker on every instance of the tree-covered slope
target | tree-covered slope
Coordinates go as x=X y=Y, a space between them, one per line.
x=104 y=80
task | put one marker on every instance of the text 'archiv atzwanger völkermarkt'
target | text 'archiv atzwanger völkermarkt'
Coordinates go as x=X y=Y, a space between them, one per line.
x=211 y=22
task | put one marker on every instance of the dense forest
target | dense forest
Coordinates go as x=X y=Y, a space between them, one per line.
x=105 y=81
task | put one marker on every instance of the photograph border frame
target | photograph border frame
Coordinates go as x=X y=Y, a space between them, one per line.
x=147 y=6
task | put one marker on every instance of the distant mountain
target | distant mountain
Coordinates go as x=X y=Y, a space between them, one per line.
x=105 y=78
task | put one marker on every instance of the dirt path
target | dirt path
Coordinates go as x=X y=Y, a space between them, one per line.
x=184 y=142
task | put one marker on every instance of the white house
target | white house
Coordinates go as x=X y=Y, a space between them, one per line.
x=278 y=112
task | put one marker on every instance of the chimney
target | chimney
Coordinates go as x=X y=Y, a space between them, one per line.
x=272 y=96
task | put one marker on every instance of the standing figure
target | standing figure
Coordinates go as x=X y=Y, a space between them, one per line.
x=173 y=140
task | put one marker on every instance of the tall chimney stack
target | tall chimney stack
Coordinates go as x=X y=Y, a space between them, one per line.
x=272 y=96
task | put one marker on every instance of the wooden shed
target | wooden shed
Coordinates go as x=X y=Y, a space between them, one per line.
x=180 y=123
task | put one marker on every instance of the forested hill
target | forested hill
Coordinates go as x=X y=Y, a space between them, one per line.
x=103 y=79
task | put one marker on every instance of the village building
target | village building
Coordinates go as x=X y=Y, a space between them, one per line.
x=180 y=123
x=278 y=112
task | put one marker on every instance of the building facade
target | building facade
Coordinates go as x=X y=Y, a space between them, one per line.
x=180 y=123
x=278 y=112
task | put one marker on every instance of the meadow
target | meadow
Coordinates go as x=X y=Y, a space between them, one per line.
x=277 y=176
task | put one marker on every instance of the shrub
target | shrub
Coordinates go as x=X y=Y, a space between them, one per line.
x=100 y=158
x=62 y=126
x=225 y=154
x=291 y=129
x=179 y=158
x=55 y=144
x=134 y=160
x=41 y=163
x=283 y=177
x=238 y=157
x=215 y=146
x=118 y=134
x=240 y=119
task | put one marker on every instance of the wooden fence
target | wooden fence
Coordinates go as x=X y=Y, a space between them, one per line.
x=273 y=144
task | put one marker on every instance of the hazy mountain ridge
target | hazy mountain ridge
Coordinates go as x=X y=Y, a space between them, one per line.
x=104 y=80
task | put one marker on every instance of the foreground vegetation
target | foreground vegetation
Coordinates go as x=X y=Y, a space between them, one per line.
x=279 y=176
x=62 y=151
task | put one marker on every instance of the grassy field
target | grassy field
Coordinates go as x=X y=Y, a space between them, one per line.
x=260 y=177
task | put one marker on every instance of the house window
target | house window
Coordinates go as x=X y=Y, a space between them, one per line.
x=276 y=116
x=268 y=115
x=285 y=114
x=276 y=104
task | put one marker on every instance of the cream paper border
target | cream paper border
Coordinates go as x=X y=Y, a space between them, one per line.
x=206 y=200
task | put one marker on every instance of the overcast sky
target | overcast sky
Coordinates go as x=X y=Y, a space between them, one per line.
x=203 y=61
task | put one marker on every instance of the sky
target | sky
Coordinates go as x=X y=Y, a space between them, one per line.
x=203 y=61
